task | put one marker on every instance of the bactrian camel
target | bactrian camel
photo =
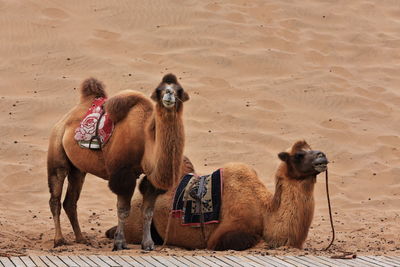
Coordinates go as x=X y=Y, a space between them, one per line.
x=147 y=139
x=249 y=211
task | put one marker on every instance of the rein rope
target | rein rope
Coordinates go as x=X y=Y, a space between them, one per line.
x=330 y=210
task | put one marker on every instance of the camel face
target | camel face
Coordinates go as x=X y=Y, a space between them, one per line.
x=303 y=163
x=170 y=93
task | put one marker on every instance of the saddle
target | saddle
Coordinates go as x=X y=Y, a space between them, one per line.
x=197 y=199
x=96 y=127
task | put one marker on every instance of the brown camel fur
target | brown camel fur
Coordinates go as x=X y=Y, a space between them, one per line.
x=147 y=138
x=249 y=211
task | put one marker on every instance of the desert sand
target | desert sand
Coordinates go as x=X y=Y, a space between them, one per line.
x=261 y=74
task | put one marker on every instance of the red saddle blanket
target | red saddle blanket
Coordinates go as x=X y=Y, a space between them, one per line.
x=96 y=128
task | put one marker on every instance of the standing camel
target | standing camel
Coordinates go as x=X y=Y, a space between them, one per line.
x=249 y=211
x=146 y=139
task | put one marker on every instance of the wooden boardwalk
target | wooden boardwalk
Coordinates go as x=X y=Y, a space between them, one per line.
x=228 y=260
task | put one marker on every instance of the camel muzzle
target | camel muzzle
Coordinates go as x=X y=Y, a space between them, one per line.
x=168 y=100
x=321 y=162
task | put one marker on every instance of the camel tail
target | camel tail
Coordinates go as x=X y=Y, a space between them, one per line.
x=92 y=87
x=237 y=241
x=111 y=232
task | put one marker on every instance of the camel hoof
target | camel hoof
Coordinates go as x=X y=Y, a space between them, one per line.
x=59 y=242
x=119 y=246
x=82 y=241
x=148 y=246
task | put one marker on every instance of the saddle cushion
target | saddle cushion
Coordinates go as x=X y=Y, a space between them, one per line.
x=187 y=205
x=85 y=134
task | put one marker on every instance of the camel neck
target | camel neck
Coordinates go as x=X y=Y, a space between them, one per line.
x=168 y=148
x=292 y=207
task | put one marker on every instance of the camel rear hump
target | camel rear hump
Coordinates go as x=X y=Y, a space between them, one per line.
x=91 y=88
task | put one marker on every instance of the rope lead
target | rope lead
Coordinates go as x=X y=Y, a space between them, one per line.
x=330 y=210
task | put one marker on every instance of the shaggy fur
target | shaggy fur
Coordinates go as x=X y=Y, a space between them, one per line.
x=249 y=211
x=92 y=88
x=119 y=106
x=147 y=138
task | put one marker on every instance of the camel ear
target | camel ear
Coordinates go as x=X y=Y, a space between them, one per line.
x=284 y=156
x=154 y=95
x=184 y=96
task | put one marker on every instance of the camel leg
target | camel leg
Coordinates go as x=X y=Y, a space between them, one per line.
x=123 y=209
x=56 y=179
x=123 y=182
x=76 y=179
x=228 y=236
x=150 y=194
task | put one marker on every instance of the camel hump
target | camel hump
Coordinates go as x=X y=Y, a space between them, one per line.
x=119 y=106
x=170 y=78
x=92 y=87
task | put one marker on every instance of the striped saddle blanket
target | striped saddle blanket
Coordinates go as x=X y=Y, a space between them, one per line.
x=198 y=199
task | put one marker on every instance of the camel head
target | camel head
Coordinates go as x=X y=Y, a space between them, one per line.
x=303 y=162
x=169 y=93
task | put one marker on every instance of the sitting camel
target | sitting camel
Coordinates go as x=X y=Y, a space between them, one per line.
x=146 y=139
x=249 y=211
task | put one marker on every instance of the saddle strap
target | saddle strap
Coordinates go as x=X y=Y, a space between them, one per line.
x=96 y=134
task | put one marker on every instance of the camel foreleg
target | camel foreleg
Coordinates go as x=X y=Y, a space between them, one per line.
x=150 y=194
x=122 y=182
x=123 y=209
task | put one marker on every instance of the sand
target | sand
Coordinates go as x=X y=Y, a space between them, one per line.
x=261 y=74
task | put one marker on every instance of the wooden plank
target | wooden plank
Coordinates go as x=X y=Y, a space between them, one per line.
x=87 y=260
x=382 y=259
x=152 y=261
x=291 y=261
x=217 y=261
x=142 y=261
x=263 y=263
x=273 y=260
x=184 y=261
x=241 y=261
x=97 y=260
x=340 y=262
x=131 y=261
x=196 y=262
x=228 y=261
x=6 y=262
x=17 y=262
x=375 y=261
x=321 y=260
x=56 y=261
x=120 y=261
x=67 y=261
x=164 y=261
x=206 y=261
x=388 y=260
x=175 y=262
x=28 y=262
x=38 y=262
x=47 y=261
x=307 y=261
x=78 y=261
x=360 y=262
x=108 y=260
x=394 y=259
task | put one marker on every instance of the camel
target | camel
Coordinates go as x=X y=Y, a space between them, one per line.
x=147 y=138
x=249 y=211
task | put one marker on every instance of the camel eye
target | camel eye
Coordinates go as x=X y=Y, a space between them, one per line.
x=298 y=156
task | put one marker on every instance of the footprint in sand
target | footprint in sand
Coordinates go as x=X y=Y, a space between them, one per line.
x=107 y=35
x=55 y=13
